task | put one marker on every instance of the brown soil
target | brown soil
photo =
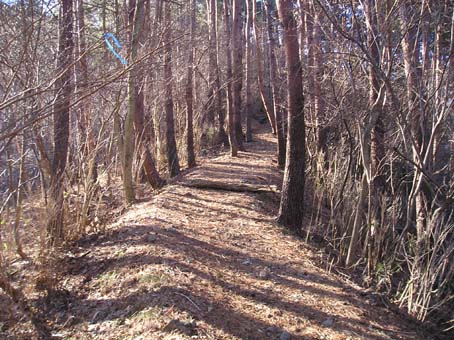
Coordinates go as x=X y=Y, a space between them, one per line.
x=212 y=264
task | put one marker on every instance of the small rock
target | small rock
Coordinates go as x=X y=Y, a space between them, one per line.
x=247 y=262
x=328 y=322
x=285 y=336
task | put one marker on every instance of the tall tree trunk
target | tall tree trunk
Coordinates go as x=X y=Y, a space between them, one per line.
x=237 y=71
x=309 y=30
x=291 y=210
x=55 y=226
x=377 y=134
x=248 y=98
x=189 y=90
x=377 y=140
x=317 y=76
x=89 y=170
x=222 y=135
x=372 y=150
x=172 y=154
x=213 y=75
x=135 y=19
x=410 y=56
x=275 y=89
x=228 y=38
x=260 y=73
x=137 y=15
x=417 y=201
x=89 y=144
x=212 y=60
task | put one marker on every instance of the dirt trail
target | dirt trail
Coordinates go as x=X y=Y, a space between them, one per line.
x=211 y=264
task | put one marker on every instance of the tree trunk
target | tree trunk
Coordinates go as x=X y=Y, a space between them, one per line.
x=291 y=210
x=317 y=76
x=275 y=89
x=215 y=91
x=149 y=166
x=135 y=19
x=309 y=30
x=137 y=15
x=189 y=90
x=228 y=38
x=377 y=139
x=89 y=144
x=260 y=73
x=212 y=63
x=410 y=56
x=237 y=71
x=55 y=228
x=418 y=201
x=172 y=154
x=302 y=32
x=248 y=98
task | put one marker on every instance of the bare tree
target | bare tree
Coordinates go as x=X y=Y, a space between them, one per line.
x=61 y=107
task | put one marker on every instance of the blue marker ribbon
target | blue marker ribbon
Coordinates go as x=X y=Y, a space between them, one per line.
x=106 y=37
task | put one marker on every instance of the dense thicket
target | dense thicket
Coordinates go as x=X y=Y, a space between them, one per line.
x=373 y=135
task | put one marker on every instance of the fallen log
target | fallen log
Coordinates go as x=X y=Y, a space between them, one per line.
x=235 y=187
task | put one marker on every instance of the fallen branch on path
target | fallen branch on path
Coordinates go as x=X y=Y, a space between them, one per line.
x=235 y=187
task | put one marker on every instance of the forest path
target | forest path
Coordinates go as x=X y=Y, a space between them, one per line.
x=211 y=264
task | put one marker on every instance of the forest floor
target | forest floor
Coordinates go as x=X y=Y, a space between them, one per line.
x=192 y=263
